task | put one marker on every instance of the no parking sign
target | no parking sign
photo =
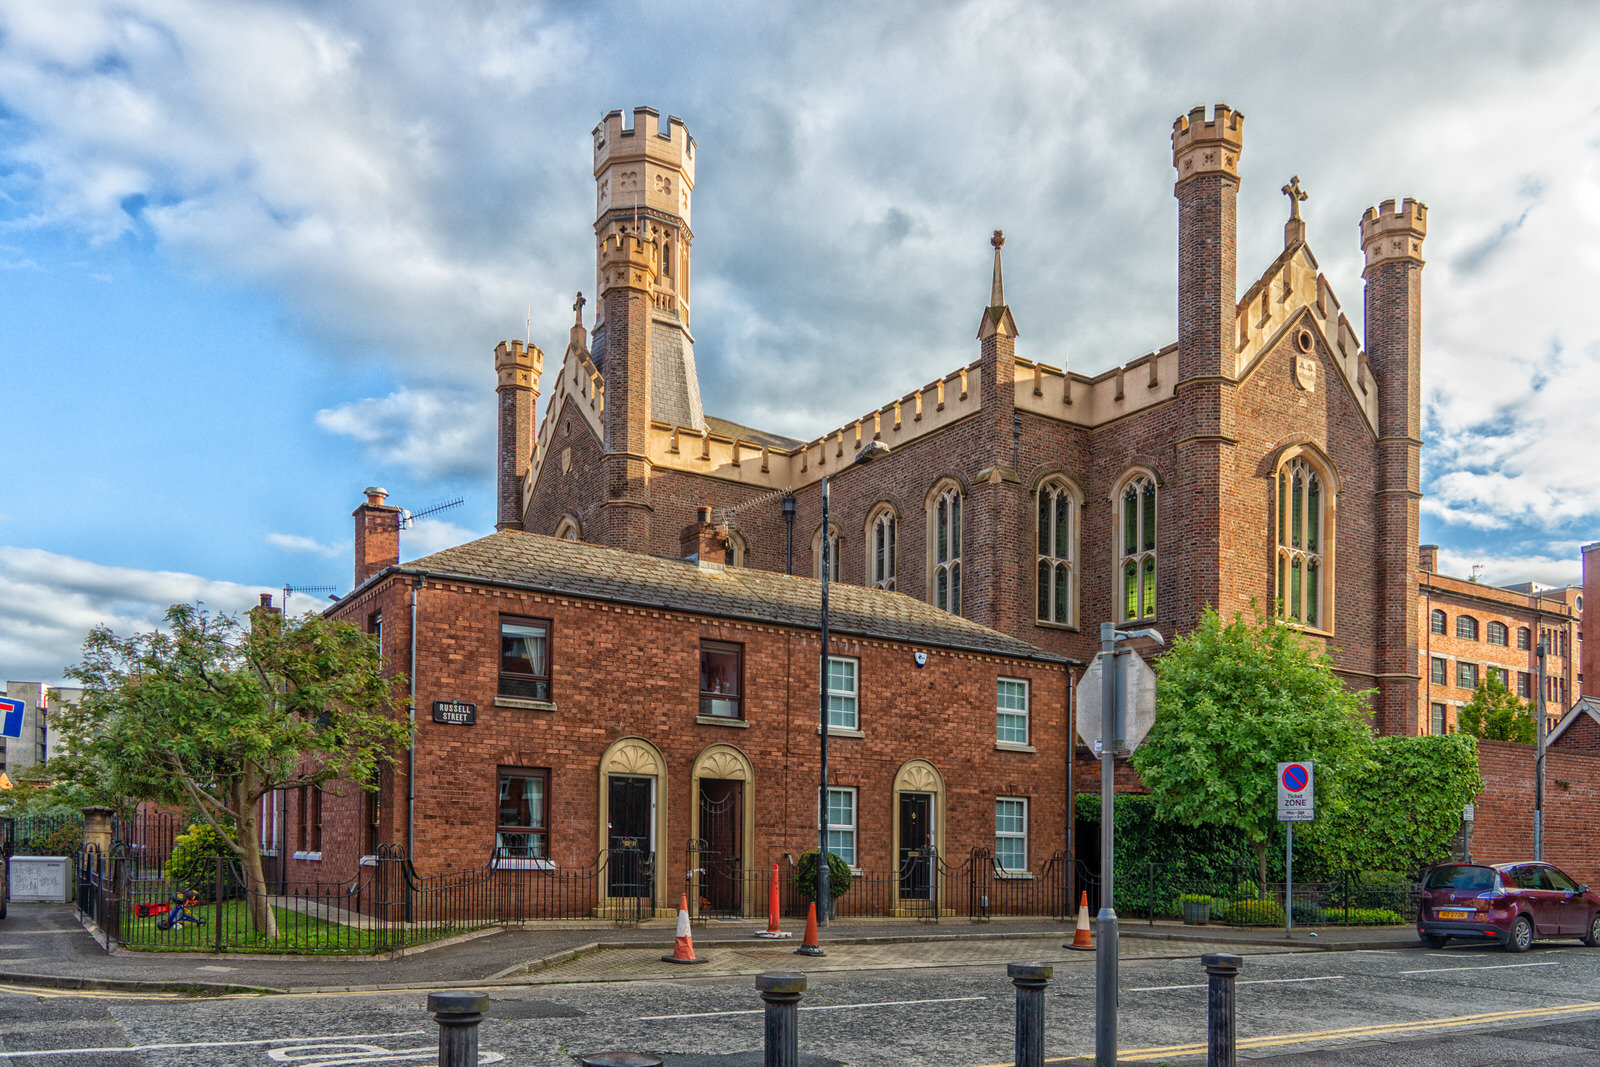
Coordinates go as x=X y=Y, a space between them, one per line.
x=1296 y=793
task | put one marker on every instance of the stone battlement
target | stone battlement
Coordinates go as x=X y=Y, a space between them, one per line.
x=646 y=139
x=1202 y=146
x=1390 y=233
x=518 y=366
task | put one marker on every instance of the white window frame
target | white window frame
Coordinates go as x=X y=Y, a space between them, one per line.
x=1011 y=835
x=840 y=827
x=841 y=699
x=1004 y=713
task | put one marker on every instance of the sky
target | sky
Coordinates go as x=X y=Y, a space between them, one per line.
x=255 y=256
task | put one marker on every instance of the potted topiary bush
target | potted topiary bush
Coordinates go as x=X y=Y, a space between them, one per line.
x=805 y=878
x=1196 y=908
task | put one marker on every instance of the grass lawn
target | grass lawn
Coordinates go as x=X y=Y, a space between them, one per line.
x=297 y=933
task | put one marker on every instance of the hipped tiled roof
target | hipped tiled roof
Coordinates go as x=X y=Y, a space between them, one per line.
x=573 y=568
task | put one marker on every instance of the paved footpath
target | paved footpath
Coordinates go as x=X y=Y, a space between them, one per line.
x=44 y=944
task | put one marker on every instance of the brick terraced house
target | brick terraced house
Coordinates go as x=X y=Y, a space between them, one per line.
x=573 y=699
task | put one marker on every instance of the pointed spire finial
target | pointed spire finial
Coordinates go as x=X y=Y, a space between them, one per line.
x=997 y=292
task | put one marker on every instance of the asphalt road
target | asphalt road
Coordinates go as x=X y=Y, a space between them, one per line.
x=1455 y=1007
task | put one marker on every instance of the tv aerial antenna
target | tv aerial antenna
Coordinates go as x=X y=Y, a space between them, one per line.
x=289 y=590
x=404 y=519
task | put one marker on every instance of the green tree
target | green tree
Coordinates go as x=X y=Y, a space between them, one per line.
x=212 y=714
x=1235 y=699
x=1403 y=810
x=1493 y=714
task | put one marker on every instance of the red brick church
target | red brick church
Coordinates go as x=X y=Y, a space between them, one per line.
x=1268 y=455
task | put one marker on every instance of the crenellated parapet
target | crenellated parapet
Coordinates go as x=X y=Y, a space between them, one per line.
x=1389 y=233
x=626 y=260
x=1202 y=146
x=516 y=366
x=650 y=166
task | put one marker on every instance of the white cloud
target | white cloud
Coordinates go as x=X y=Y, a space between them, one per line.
x=1509 y=569
x=303 y=545
x=430 y=535
x=49 y=603
x=436 y=433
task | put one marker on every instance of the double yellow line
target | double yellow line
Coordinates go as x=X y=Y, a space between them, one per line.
x=1453 y=1022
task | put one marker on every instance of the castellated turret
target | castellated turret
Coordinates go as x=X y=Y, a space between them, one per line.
x=644 y=188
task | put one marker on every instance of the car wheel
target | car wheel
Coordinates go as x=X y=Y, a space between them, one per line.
x=1434 y=941
x=1593 y=938
x=1521 y=939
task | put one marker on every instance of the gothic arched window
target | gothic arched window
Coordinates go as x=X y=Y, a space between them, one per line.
x=1136 y=563
x=944 y=547
x=833 y=553
x=1305 y=542
x=1057 y=551
x=881 y=536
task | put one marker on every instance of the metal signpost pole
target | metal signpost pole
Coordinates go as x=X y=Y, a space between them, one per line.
x=822 y=711
x=1105 y=988
x=1288 y=884
x=1538 y=758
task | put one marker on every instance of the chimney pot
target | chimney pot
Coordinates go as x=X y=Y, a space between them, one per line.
x=266 y=600
x=375 y=495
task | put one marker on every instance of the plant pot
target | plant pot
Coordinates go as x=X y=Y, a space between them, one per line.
x=1196 y=912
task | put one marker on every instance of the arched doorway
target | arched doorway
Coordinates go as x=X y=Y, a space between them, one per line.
x=918 y=822
x=632 y=826
x=722 y=817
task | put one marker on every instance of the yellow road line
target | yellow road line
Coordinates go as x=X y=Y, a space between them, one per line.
x=1380 y=1030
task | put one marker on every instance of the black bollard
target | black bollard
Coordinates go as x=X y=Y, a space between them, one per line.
x=1219 y=1008
x=458 y=1015
x=781 y=991
x=1030 y=980
x=620 y=1059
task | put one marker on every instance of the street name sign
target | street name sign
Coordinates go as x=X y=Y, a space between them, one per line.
x=1138 y=703
x=455 y=712
x=11 y=718
x=1296 y=792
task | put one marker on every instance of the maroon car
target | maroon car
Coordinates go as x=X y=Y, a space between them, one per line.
x=1513 y=903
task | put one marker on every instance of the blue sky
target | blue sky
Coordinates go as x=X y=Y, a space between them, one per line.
x=256 y=256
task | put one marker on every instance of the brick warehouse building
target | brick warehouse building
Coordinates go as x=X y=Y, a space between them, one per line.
x=1267 y=455
x=620 y=697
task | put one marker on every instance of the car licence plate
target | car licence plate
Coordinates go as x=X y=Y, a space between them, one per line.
x=1445 y=913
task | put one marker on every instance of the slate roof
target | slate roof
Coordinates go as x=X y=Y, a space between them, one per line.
x=551 y=565
x=729 y=428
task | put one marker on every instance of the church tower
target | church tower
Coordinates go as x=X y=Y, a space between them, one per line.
x=644 y=184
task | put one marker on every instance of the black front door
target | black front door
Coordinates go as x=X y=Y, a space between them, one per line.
x=629 y=839
x=916 y=833
x=721 y=804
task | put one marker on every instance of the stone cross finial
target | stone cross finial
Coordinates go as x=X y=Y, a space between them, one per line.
x=997 y=291
x=577 y=310
x=1296 y=196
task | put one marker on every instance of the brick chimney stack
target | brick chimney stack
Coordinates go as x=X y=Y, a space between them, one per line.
x=1428 y=558
x=377 y=534
x=1588 y=643
x=703 y=540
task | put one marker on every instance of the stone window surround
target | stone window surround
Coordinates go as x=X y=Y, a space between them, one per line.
x=1131 y=477
x=1058 y=483
x=1313 y=458
x=882 y=515
x=836 y=543
x=943 y=490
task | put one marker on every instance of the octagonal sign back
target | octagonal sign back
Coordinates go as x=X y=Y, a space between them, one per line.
x=1138 y=684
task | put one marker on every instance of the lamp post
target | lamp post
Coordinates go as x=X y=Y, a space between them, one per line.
x=869 y=452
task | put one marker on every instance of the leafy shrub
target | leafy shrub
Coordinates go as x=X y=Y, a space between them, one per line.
x=193 y=863
x=64 y=840
x=1308 y=913
x=1367 y=917
x=1381 y=889
x=805 y=875
x=1199 y=898
x=1253 y=913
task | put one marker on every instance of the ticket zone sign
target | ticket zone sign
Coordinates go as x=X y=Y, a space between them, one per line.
x=1296 y=792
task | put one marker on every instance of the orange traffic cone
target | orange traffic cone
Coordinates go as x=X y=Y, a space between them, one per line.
x=683 y=950
x=772 y=910
x=1081 y=938
x=809 y=946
